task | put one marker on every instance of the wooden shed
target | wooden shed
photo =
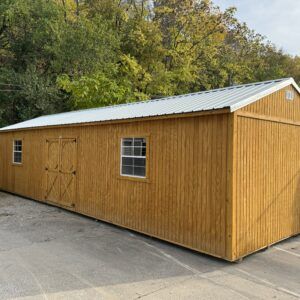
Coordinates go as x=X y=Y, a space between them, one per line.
x=215 y=171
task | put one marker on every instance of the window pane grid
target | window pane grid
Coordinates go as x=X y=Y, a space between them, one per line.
x=133 y=157
x=17 y=152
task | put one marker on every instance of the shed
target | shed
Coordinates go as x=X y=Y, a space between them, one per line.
x=215 y=171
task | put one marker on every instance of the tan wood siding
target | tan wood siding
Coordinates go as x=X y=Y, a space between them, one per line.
x=276 y=105
x=267 y=183
x=183 y=199
x=267 y=179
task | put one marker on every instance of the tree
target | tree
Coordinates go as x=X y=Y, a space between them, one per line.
x=59 y=55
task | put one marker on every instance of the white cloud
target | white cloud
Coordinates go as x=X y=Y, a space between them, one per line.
x=278 y=20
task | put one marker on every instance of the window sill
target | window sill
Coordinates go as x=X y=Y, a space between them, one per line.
x=131 y=178
x=17 y=164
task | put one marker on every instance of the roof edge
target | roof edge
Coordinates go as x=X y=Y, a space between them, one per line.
x=192 y=114
x=279 y=86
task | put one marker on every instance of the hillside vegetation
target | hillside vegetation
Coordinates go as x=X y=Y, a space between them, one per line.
x=60 y=55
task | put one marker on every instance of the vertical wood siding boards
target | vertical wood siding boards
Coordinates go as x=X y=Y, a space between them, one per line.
x=269 y=176
x=201 y=184
x=261 y=203
x=199 y=195
x=149 y=208
x=256 y=187
x=239 y=179
x=181 y=181
x=164 y=183
x=252 y=169
x=297 y=190
x=249 y=185
x=295 y=207
x=241 y=200
x=279 y=174
x=231 y=159
x=240 y=186
x=172 y=144
x=159 y=170
x=173 y=176
x=247 y=203
x=181 y=175
x=206 y=216
x=205 y=185
x=245 y=182
x=225 y=156
x=196 y=181
x=274 y=166
x=163 y=180
x=260 y=184
x=183 y=202
x=188 y=185
x=271 y=205
x=213 y=196
x=81 y=164
x=223 y=231
x=186 y=181
x=181 y=145
x=157 y=164
x=193 y=187
x=245 y=185
x=210 y=227
x=218 y=201
x=277 y=106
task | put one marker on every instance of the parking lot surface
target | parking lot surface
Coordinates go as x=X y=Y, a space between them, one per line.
x=49 y=253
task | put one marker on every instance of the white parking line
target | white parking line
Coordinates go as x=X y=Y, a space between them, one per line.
x=270 y=284
x=287 y=251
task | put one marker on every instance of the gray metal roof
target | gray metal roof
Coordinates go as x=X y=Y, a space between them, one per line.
x=233 y=98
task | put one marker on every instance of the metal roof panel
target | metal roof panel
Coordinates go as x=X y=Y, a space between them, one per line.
x=234 y=97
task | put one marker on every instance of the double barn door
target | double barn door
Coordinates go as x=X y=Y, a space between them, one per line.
x=61 y=171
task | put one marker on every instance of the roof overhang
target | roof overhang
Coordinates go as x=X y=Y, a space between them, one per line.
x=279 y=86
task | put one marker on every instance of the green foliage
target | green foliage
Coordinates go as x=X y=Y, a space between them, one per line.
x=94 y=90
x=56 y=55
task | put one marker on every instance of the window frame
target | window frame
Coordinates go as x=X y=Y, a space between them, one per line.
x=17 y=151
x=134 y=177
x=289 y=95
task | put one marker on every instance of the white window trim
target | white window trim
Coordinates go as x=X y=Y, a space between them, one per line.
x=17 y=151
x=289 y=95
x=132 y=156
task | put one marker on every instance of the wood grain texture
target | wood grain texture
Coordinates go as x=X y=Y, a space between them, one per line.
x=276 y=105
x=183 y=200
x=267 y=172
x=223 y=184
x=231 y=207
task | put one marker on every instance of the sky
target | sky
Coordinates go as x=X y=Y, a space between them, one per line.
x=278 y=20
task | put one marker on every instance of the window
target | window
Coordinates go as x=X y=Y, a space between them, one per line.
x=289 y=95
x=17 y=152
x=133 y=157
